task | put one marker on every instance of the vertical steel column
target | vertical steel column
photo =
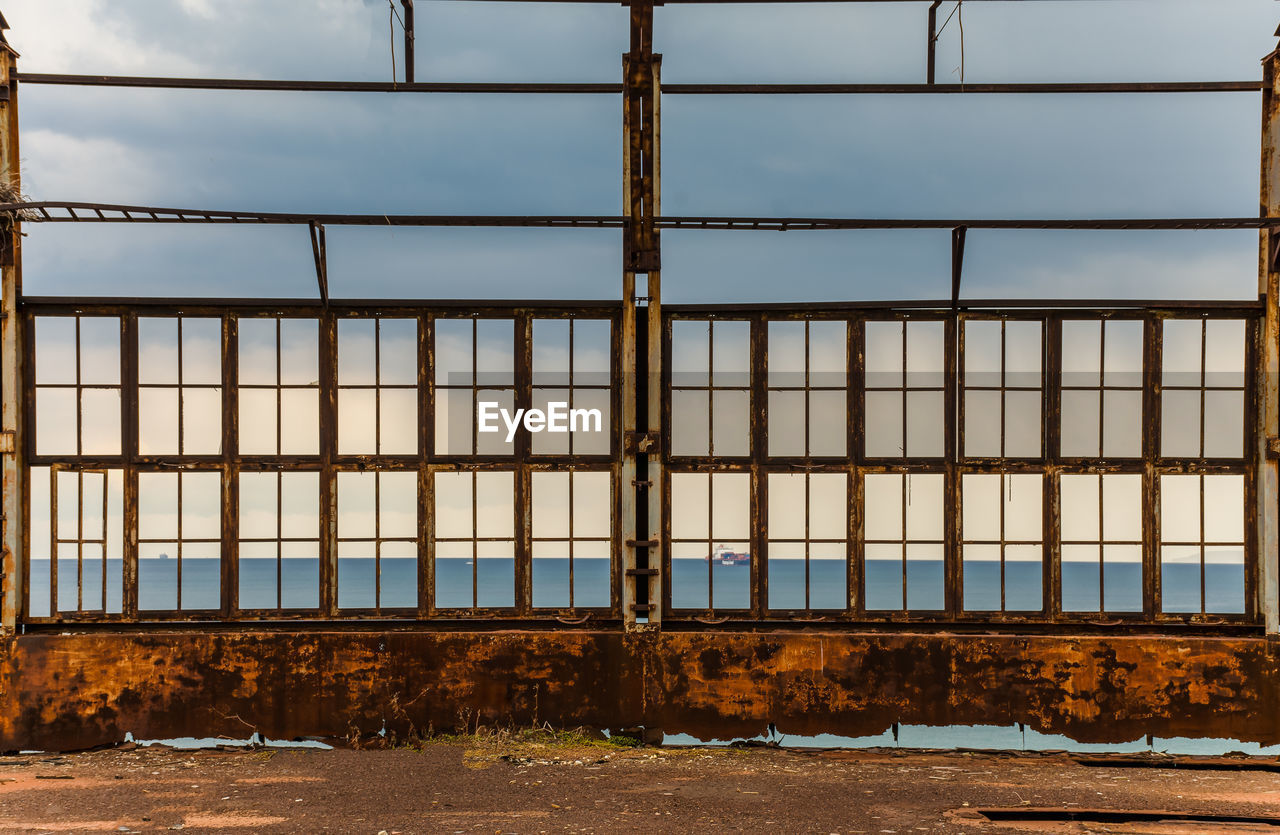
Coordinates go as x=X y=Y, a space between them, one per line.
x=642 y=357
x=1268 y=366
x=409 y=58
x=12 y=437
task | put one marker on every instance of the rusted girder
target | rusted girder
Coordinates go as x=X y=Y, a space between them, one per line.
x=409 y=59
x=644 y=225
x=1268 y=368
x=321 y=256
x=12 y=341
x=589 y=88
x=641 y=323
x=957 y=262
x=711 y=684
x=930 y=71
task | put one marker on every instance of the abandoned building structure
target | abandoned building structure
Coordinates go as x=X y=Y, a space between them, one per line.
x=224 y=515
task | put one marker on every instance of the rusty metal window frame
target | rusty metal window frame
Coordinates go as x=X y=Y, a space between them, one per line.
x=328 y=462
x=905 y=387
x=781 y=382
x=1101 y=540
x=1103 y=387
x=573 y=382
x=78 y=386
x=278 y=387
x=1050 y=465
x=133 y=578
x=180 y=387
x=1204 y=387
x=808 y=610
x=279 y=540
x=904 y=542
x=378 y=388
x=378 y=540
x=1202 y=542
x=79 y=541
x=572 y=538
x=757 y=465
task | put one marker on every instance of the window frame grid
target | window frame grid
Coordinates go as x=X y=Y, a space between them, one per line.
x=521 y=591
x=905 y=613
x=1202 y=544
x=377 y=610
x=377 y=387
x=859 y=433
x=1102 y=388
x=807 y=612
x=1047 y=570
x=757 y=588
x=1250 y=338
x=1102 y=613
x=519 y=363
x=964 y=387
x=78 y=386
x=807 y=387
x=279 y=387
x=80 y=612
x=755 y=341
x=572 y=611
x=225 y=553
x=227 y=330
x=571 y=386
x=954 y=466
x=230 y=462
x=1151 y=466
x=279 y=610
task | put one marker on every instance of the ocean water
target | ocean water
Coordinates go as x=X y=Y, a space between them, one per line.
x=693 y=584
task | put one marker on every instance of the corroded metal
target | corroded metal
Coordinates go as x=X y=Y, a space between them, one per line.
x=60 y=692
x=12 y=383
x=639 y=661
x=642 y=346
x=1267 y=371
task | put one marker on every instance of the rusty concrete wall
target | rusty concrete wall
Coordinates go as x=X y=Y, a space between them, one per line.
x=68 y=691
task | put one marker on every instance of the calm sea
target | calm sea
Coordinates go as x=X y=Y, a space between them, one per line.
x=693 y=583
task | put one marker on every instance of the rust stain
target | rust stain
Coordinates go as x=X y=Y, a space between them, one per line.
x=62 y=692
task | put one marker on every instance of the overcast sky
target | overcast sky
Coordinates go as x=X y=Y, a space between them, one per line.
x=919 y=156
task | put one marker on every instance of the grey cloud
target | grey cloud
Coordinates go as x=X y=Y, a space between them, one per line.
x=869 y=156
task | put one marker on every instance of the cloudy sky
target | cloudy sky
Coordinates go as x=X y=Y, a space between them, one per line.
x=946 y=156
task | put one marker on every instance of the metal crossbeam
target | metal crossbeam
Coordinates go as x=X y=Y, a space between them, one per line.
x=79 y=212
x=590 y=88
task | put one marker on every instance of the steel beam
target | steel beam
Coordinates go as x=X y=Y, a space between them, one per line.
x=595 y=88
x=12 y=437
x=641 y=328
x=409 y=38
x=1268 y=353
x=931 y=71
x=46 y=211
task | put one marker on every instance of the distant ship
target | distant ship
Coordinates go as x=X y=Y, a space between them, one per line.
x=724 y=556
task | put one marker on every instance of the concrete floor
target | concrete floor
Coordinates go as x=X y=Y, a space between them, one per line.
x=499 y=786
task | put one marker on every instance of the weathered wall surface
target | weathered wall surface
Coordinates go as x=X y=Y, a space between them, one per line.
x=68 y=691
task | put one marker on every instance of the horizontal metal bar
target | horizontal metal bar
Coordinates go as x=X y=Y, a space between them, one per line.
x=598 y=88
x=789 y=224
x=311 y=307
x=156 y=82
x=944 y=305
x=122 y=305
x=151 y=214
x=969 y=89
x=741 y=2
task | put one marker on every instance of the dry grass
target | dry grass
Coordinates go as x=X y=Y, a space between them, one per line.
x=10 y=193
